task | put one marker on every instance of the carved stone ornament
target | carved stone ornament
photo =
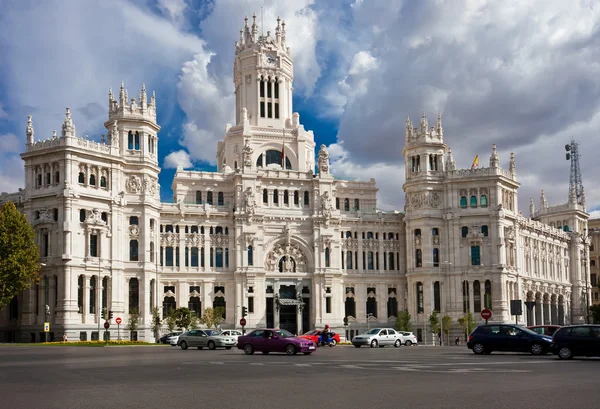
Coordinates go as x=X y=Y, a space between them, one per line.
x=219 y=240
x=463 y=192
x=133 y=184
x=326 y=205
x=168 y=239
x=293 y=260
x=370 y=244
x=323 y=160
x=416 y=200
x=435 y=199
x=134 y=231
x=46 y=216
x=249 y=79
x=94 y=217
x=194 y=240
x=247 y=153
x=249 y=201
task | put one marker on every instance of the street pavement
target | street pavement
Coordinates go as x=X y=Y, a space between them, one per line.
x=338 y=377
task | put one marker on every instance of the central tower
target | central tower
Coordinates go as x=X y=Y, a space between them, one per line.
x=263 y=73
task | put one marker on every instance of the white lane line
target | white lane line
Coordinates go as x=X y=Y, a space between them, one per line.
x=217 y=363
x=351 y=366
x=257 y=363
x=302 y=365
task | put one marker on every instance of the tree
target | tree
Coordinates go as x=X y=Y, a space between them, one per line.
x=155 y=325
x=434 y=322
x=19 y=255
x=213 y=317
x=133 y=322
x=447 y=324
x=194 y=321
x=171 y=321
x=595 y=312
x=467 y=324
x=183 y=317
x=403 y=322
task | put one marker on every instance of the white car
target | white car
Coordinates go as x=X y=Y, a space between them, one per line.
x=408 y=338
x=378 y=337
x=232 y=333
x=173 y=340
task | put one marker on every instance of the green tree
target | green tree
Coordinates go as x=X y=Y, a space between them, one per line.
x=595 y=313
x=133 y=322
x=194 y=321
x=171 y=321
x=213 y=317
x=467 y=324
x=403 y=321
x=19 y=255
x=447 y=325
x=183 y=317
x=155 y=325
x=434 y=322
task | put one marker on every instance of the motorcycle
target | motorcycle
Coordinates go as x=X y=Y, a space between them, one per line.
x=330 y=340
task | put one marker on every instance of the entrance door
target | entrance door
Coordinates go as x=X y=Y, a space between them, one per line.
x=288 y=316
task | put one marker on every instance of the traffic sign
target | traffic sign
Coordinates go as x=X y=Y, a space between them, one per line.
x=243 y=322
x=486 y=314
x=106 y=325
x=118 y=320
x=46 y=327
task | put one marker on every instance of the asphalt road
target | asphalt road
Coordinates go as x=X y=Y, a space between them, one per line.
x=346 y=377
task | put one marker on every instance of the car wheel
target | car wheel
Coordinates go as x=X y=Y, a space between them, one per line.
x=183 y=345
x=374 y=343
x=565 y=353
x=227 y=347
x=537 y=349
x=211 y=345
x=408 y=342
x=290 y=349
x=307 y=353
x=333 y=343
x=248 y=349
x=478 y=349
x=356 y=346
x=397 y=343
x=265 y=352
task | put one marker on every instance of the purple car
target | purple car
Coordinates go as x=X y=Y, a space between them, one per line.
x=274 y=340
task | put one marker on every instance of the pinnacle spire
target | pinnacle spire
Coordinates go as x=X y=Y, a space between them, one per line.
x=29 y=130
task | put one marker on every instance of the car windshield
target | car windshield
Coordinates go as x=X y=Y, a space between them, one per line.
x=282 y=333
x=211 y=332
x=313 y=332
x=373 y=331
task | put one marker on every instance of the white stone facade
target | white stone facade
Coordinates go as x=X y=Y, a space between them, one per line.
x=296 y=247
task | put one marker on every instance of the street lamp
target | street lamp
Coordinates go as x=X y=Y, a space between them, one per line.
x=369 y=315
x=586 y=238
x=437 y=264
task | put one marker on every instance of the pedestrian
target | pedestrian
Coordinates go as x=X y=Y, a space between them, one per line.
x=65 y=337
x=457 y=341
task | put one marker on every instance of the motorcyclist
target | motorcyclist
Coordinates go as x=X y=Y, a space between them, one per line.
x=325 y=335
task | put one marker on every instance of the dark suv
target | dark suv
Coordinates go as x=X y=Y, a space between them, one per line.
x=582 y=340
x=507 y=337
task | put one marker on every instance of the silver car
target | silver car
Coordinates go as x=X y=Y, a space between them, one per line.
x=378 y=337
x=201 y=338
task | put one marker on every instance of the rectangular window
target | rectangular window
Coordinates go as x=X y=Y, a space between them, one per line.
x=276 y=111
x=328 y=305
x=420 y=307
x=270 y=110
x=370 y=260
x=250 y=304
x=93 y=245
x=176 y=256
x=46 y=245
x=194 y=256
x=475 y=256
x=349 y=260
x=186 y=257
x=202 y=257
x=262 y=109
x=269 y=92
x=219 y=257
x=436 y=257
x=436 y=296
x=169 y=256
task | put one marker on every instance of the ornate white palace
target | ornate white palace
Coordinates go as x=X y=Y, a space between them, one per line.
x=297 y=248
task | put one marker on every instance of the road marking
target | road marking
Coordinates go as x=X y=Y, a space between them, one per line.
x=351 y=366
x=302 y=364
x=257 y=363
x=217 y=363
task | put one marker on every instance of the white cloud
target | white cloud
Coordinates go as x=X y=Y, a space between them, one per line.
x=176 y=159
x=9 y=143
x=3 y=113
x=174 y=9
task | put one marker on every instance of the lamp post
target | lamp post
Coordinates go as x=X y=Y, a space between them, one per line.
x=154 y=256
x=441 y=298
x=369 y=315
x=586 y=238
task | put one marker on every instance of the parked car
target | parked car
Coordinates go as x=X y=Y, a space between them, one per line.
x=505 y=337
x=316 y=333
x=205 y=338
x=173 y=339
x=408 y=338
x=548 y=330
x=232 y=333
x=164 y=338
x=576 y=340
x=378 y=337
x=274 y=340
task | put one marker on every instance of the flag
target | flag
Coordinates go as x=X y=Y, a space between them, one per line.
x=475 y=163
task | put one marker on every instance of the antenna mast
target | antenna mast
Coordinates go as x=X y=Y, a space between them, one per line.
x=262 y=23
x=575 y=182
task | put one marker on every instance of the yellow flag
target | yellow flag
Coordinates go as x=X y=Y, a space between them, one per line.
x=475 y=163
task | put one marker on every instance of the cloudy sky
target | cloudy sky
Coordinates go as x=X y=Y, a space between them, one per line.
x=519 y=73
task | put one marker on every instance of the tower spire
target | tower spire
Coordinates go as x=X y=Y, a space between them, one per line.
x=494 y=159
x=29 y=130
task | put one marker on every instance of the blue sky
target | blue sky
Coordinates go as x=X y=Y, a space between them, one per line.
x=521 y=74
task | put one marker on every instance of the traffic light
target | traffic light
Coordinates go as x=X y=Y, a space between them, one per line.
x=244 y=312
x=345 y=320
x=110 y=315
x=104 y=313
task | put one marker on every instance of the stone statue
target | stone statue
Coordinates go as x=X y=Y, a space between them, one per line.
x=249 y=201
x=247 y=153
x=323 y=160
x=326 y=205
x=114 y=135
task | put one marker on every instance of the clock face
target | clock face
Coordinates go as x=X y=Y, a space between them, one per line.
x=269 y=59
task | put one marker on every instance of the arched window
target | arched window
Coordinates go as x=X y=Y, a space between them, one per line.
x=286 y=197
x=463 y=201
x=226 y=231
x=134 y=296
x=48 y=178
x=420 y=307
x=219 y=257
x=82 y=215
x=273 y=156
x=276 y=196
x=326 y=256
x=566 y=227
x=219 y=302
x=418 y=258
x=392 y=306
x=348 y=234
x=133 y=250
x=220 y=199
x=306 y=199
x=195 y=306
x=39 y=180
x=209 y=198
x=81 y=178
x=103 y=181
x=473 y=201
x=130 y=140
x=198 y=197
x=169 y=305
x=356 y=204
x=296 y=197
x=80 y=295
x=137 y=141
x=93 y=180
x=265 y=196
x=350 y=307
x=464 y=231
x=349 y=260
x=483 y=201
x=372 y=307
x=56 y=177
x=476 y=296
x=219 y=230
